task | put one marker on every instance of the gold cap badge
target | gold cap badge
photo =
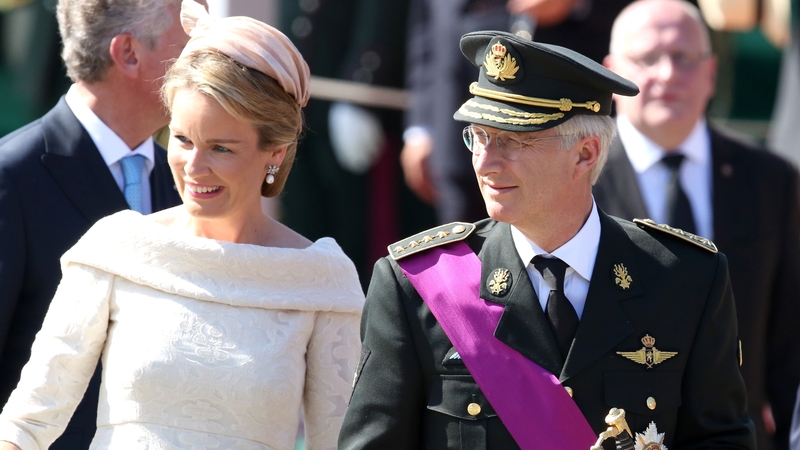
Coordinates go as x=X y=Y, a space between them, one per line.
x=649 y=355
x=499 y=64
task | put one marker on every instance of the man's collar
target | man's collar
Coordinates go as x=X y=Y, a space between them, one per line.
x=643 y=153
x=579 y=252
x=112 y=148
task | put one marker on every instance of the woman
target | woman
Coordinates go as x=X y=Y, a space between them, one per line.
x=214 y=323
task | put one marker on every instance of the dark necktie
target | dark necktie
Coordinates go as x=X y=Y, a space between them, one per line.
x=559 y=311
x=679 y=211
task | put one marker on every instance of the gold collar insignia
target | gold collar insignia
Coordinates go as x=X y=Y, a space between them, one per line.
x=499 y=282
x=622 y=278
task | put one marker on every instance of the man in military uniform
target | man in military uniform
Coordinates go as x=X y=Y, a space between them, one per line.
x=525 y=329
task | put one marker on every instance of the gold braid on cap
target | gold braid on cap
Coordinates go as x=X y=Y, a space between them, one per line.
x=563 y=104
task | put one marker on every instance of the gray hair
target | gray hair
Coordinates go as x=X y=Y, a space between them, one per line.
x=88 y=26
x=584 y=125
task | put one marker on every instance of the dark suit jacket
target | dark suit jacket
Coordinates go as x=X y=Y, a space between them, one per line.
x=410 y=395
x=757 y=225
x=54 y=186
x=438 y=76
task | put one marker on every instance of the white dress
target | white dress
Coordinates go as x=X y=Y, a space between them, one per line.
x=204 y=344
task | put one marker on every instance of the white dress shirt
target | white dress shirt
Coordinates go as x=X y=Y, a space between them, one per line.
x=653 y=177
x=112 y=148
x=580 y=252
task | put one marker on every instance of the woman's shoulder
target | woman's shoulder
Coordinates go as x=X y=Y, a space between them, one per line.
x=165 y=217
x=284 y=237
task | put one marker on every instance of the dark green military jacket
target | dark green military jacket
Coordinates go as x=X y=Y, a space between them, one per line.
x=411 y=393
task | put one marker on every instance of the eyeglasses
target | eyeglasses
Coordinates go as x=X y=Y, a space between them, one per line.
x=507 y=142
x=680 y=60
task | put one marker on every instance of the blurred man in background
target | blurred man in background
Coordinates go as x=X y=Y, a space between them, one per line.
x=668 y=164
x=88 y=157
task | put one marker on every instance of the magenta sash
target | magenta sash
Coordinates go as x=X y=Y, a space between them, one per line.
x=529 y=400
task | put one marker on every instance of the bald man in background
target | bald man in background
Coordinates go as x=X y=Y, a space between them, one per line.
x=668 y=164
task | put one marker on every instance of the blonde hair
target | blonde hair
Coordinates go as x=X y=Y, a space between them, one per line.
x=246 y=94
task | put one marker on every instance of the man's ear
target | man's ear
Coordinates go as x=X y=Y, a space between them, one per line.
x=123 y=51
x=608 y=62
x=588 y=156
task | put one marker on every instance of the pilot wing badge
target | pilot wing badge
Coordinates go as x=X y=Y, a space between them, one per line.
x=648 y=355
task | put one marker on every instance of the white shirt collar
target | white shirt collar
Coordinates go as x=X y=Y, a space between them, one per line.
x=112 y=148
x=580 y=252
x=643 y=153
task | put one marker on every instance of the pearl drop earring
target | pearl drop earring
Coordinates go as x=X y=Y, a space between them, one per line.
x=271 y=171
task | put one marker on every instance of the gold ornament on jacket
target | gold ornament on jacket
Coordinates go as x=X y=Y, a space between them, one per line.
x=622 y=278
x=649 y=355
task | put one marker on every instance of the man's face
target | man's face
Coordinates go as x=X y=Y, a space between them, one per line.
x=664 y=52
x=533 y=185
x=156 y=61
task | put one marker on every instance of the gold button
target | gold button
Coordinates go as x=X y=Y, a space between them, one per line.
x=569 y=390
x=651 y=403
x=458 y=229
x=474 y=409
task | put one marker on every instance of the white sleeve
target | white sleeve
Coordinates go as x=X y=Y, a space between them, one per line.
x=331 y=360
x=63 y=359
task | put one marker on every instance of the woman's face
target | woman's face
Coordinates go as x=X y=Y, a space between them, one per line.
x=215 y=159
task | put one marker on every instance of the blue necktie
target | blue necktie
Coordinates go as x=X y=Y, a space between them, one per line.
x=132 y=166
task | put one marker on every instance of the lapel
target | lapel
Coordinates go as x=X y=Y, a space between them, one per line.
x=732 y=194
x=603 y=323
x=75 y=164
x=622 y=184
x=163 y=192
x=523 y=325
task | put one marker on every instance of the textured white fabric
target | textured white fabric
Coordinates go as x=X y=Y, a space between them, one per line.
x=204 y=344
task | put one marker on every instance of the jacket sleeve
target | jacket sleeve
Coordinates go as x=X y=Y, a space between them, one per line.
x=783 y=351
x=330 y=363
x=12 y=252
x=63 y=359
x=385 y=408
x=713 y=413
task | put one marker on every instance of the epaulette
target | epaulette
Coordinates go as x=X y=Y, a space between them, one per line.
x=443 y=234
x=677 y=232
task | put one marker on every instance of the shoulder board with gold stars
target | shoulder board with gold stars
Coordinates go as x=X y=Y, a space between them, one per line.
x=443 y=234
x=677 y=232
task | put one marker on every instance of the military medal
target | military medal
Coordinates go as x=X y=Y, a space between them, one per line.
x=651 y=439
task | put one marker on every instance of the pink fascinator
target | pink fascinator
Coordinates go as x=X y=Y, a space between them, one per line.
x=251 y=43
